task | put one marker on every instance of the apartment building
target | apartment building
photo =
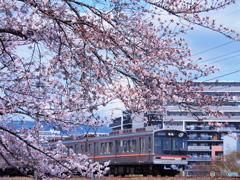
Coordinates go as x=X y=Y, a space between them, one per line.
x=206 y=138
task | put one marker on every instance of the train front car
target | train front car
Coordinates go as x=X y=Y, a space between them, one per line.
x=170 y=151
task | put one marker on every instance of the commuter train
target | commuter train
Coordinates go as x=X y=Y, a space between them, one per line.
x=137 y=151
x=133 y=151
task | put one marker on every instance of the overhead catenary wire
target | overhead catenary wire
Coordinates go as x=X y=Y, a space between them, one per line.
x=224 y=59
x=221 y=56
x=228 y=14
x=222 y=75
x=221 y=44
x=213 y=48
x=233 y=72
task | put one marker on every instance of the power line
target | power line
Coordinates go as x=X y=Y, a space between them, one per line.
x=221 y=44
x=220 y=56
x=228 y=14
x=214 y=48
x=225 y=59
x=223 y=75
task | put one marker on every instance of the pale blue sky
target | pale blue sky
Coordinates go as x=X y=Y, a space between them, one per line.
x=217 y=49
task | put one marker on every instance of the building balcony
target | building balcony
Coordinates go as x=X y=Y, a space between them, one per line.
x=199 y=148
x=209 y=141
x=127 y=121
x=115 y=123
x=174 y=127
x=210 y=128
x=199 y=158
x=195 y=137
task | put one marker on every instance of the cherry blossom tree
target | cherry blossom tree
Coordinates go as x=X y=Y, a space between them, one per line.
x=62 y=59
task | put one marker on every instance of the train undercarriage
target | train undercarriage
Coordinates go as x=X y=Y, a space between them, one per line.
x=145 y=170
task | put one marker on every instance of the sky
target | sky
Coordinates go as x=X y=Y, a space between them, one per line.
x=213 y=47
x=217 y=49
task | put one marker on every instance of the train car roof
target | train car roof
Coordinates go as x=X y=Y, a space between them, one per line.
x=126 y=133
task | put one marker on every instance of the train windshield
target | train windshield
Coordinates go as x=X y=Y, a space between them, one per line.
x=173 y=143
x=170 y=143
x=179 y=144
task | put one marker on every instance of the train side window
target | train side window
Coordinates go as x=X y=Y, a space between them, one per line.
x=149 y=143
x=133 y=145
x=129 y=144
x=86 y=148
x=142 y=144
x=76 y=149
x=102 y=148
x=69 y=148
x=110 y=147
x=117 y=145
x=89 y=148
x=166 y=143
x=124 y=146
x=95 y=148
x=107 y=148
x=82 y=148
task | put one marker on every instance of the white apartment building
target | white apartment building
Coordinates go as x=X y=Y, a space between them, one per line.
x=206 y=138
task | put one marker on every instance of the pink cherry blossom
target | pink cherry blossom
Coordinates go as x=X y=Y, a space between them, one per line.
x=61 y=60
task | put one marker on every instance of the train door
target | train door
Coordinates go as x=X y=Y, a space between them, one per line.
x=149 y=148
x=141 y=149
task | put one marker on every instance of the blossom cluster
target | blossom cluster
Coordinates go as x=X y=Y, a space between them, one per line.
x=61 y=60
